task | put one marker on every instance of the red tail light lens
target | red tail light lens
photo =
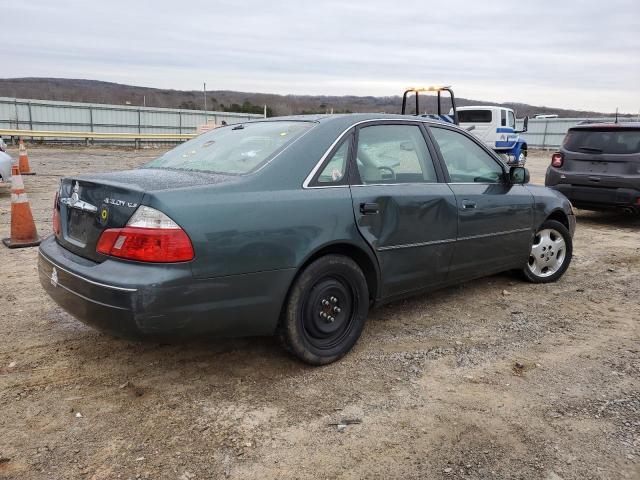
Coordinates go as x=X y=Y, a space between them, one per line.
x=146 y=244
x=557 y=159
x=55 y=221
x=150 y=236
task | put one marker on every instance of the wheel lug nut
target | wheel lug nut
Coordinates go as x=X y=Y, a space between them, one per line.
x=331 y=319
x=334 y=299
x=324 y=302
x=336 y=309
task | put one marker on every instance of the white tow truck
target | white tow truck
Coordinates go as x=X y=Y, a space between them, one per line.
x=495 y=126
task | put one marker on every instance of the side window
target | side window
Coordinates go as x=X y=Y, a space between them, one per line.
x=503 y=118
x=394 y=154
x=512 y=120
x=466 y=161
x=335 y=170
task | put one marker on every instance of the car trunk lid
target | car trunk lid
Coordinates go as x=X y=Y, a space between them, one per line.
x=88 y=205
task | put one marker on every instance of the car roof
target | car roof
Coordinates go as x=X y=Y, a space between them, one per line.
x=353 y=118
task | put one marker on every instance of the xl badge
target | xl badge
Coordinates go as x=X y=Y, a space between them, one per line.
x=54 y=277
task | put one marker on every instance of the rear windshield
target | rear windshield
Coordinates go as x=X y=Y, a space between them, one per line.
x=474 y=116
x=233 y=150
x=606 y=140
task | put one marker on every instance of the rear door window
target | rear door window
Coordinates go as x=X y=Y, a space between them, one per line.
x=605 y=140
x=394 y=154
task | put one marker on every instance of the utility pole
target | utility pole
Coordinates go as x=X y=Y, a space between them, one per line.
x=204 y=89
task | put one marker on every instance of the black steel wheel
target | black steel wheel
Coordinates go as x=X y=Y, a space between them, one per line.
x=326 y=310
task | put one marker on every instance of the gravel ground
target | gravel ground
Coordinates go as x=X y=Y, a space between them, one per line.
x=495 y=378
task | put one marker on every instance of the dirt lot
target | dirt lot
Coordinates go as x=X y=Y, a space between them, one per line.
x=493 y=379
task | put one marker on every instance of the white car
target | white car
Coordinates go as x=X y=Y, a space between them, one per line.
x=5 y=163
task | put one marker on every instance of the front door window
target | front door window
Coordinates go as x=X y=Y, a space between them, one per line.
x=466 y=161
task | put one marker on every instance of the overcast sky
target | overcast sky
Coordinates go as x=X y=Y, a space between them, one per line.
x=573 y=54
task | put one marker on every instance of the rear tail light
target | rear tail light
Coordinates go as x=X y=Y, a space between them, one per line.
x=149 y=236
x=557 y=159
x=55 y=221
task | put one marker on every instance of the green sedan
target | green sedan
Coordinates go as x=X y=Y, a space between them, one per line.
x=296 y=226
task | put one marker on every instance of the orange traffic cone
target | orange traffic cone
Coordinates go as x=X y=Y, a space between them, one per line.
x=23 y=160
x=23 y=228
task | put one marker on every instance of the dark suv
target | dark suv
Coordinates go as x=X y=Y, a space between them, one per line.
x=598 y=166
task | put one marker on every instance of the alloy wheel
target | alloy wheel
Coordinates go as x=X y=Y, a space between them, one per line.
x=548 y=253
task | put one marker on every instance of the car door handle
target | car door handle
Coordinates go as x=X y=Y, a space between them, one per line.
x=467 y=204
x=369 y=208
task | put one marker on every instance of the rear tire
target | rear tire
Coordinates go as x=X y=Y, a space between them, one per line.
x=326 y=310
x=551 y=253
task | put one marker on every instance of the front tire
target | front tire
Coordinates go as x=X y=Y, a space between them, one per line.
x=326 y=310
x=551 y=253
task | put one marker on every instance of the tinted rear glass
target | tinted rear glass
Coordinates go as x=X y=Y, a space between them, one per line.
x=234 y=150
x=606 y=140
x=474 y=116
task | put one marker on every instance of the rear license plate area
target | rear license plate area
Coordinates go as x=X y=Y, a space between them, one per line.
x=79 y=224
x=598 y=167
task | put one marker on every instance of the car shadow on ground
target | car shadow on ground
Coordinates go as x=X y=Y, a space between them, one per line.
x=250 y=357
x=610 y=218
x=232 y=357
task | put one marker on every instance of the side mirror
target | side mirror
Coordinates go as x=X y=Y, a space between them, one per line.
x=518 y=175
x=525 y=125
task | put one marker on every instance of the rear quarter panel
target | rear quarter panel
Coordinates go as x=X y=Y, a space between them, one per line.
x=255 y=231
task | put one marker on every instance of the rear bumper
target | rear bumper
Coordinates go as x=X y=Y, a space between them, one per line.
x=133 y=300
x=599 y=197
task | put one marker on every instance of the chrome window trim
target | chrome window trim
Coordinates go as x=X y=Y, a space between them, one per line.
x=113 y=287
x=330 y=186
x=305 y=184
x=391 y=184
x=476 y=183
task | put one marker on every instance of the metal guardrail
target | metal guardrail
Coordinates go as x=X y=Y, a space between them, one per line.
x=94 y=135
x=88 y=137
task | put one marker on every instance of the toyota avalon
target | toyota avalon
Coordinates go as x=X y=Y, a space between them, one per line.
x=296 y=226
